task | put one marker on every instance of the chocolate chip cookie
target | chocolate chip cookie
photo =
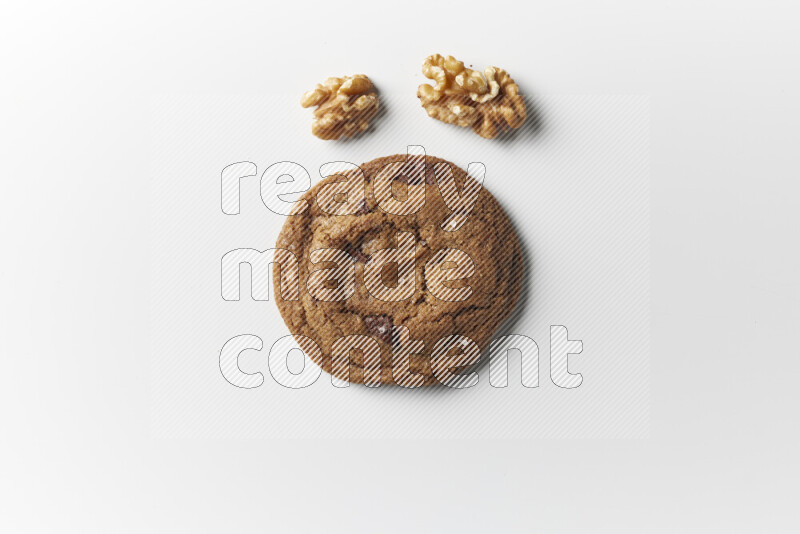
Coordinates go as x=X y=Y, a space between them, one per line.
x=397 y=278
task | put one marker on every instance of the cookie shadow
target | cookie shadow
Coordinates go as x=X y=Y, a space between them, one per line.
x=510 y=324
x=507 y=327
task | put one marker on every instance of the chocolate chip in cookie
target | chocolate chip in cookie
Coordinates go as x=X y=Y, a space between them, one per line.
x=379 y=327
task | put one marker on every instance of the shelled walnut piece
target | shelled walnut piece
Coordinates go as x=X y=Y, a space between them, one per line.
x=488 y=102
x=344 y=106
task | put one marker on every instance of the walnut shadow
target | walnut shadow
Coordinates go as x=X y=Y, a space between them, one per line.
x=531 y=129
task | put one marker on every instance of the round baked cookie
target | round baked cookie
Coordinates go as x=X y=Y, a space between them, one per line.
x=430 y=310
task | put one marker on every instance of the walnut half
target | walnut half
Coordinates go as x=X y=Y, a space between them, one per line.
x=344 y=106
x=489 y=102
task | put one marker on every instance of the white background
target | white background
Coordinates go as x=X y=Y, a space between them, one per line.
x=78 y=453
x=576 y=188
